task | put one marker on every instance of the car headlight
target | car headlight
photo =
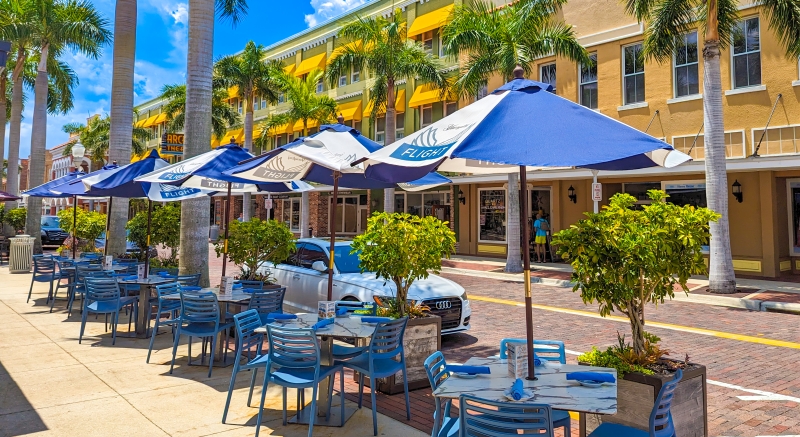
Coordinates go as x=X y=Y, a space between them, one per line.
x=464 y=296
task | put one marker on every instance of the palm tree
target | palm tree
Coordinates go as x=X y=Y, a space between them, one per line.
x=96 y=137
x=252 y=76
x=58 y=25
x=497 y=40
x=222 y=114
x=667 y=21
x=121 y=118
x=389 y=55
x=195 y=213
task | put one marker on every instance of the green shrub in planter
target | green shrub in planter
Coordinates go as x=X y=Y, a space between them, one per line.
x=89 y=226
x=16 y=219
x=165 y=228
x=257 y=241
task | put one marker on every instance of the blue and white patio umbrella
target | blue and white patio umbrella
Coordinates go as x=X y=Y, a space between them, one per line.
x=45 y=190
x=325 y=158
x=520 y=126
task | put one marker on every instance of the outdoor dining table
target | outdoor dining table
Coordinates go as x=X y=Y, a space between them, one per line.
x=145 y=292
x=551 y=387
x=343 y=327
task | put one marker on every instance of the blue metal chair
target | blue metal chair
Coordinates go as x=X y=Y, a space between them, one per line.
x=161 y=271
x=69 y=275
x=199 y=318
x=436 y=369
x=90 y=255
x=378 y=361
x=660 y=418
x=248 y=344
x=294 y=362
x=189 y=280
x=267 y=301
x=78 y=286
x=484 y=418
x=44 y=270
x=102 y=297
x=248 y=284
x=340 y=351
x=169 y=307
x=352 y=306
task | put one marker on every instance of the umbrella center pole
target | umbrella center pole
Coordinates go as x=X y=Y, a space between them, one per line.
x=108 y=224
x=147 y=249
x=526 y=258
x=227 y=225
x=74 y=225
x=335 y=197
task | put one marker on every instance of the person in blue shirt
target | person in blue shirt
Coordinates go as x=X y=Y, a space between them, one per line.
x=541 y=227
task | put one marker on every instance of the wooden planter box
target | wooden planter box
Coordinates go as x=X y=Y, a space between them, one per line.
x=636 y=395
x=423 y=337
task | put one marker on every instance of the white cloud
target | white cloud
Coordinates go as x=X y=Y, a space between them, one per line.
x=148 y=79
x=327 y=9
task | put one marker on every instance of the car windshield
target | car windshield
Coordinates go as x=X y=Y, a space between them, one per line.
x=345 y=261
x=50 y=222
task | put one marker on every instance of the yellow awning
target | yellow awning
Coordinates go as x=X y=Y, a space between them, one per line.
x=150 y=121
x=257 y=130
x=298 y=125
x=312 y=63
x=214 y=143
x=135 y=157
x=140 y=122
x=338 y=50
x=161 y=118
x=236 y=134
x=289 y=69
x=427 y=94
x=280 y=130
x=399 y=104
x=430 y=21
x=350 y=110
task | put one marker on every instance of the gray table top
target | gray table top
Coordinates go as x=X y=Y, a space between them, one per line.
x=343 y=327
x=233 y=297
x=152 y=280
x=551 y=387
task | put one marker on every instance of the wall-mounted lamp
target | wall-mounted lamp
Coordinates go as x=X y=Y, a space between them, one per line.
x=373 y=203
x=571 y=194
x=461 y=198
x=736 y=188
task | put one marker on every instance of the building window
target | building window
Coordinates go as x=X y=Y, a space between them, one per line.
x=427 y=41
x=588 y=83
x=686 y=193
x=342 y=80
x=355 y=76
x=426 y=115
x=281 y=98
x=380 y=130
x=291 y=213
x=547 y=74
x=424 y=204
x=450 y=107
x=794 y=215
x=492 y=215
x=357 y=125
x=746 y=53
x=687 y=79
x=400 y=120
x=633 y=73
x=263 y=102
x=239 y=105
x=320 y=86
x=256 y=102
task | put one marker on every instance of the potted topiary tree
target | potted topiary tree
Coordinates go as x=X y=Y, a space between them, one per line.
x=624 y=258
x=16 y=219
x=402 y=248
x=90 y=225
x=255 y=242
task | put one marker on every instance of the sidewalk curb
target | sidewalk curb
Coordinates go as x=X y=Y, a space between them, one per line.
x=511 y=277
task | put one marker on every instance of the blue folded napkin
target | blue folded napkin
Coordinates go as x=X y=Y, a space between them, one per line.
x=375 y=319
x=537 y=361
x=237 y=286
x=250 y=290
x=470 y=370
x=341 y=312
x=191 y=288
x=591 y=376
x=282 y=316
x=322 y=323
x=162 y=273
x=517 y=390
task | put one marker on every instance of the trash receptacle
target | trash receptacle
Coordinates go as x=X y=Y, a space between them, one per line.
x=20 y=254
x=213 y=233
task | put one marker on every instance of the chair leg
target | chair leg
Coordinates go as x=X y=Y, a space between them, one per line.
x=360 y=389
x=190 y=350
x=405 y=386
x=252 y=384
x=330 y=397
x=341 y=395
x=374 y=406
x=30 y=290
x=152 y=340
x=230 y=392
x=263 y=397
x=313 y=412
x=115 y=322
x=284 y=406
x=211 y=355
x=175 y=348
x=568 y=428
x=83 y=326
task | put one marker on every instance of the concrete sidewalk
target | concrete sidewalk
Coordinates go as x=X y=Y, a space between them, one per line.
x=753 y=294
x=53 y=386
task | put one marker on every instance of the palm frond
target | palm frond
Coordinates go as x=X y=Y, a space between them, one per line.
x=233 y=10
x=670 y=19
x=784 y=20
x=727 y=17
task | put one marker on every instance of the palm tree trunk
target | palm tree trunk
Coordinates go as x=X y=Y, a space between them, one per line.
x=513 y=239
x=12 y=175
x=721 y=278
x=390 y=137
x=247 y=202
x=195 y=213
x=3 y=120
x=121 y=132
x=33 y=221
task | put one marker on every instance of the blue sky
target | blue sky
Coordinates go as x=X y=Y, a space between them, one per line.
x=161 y=46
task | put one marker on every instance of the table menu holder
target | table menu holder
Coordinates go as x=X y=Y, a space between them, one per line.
x=517 y=357
x=140 y=271
x=226 y=285
x=327 y=309
x=108 y=262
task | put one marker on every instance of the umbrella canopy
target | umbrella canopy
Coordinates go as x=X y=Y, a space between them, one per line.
x=5 y=197
x=44 y=189
x=76 y=188
x=492 y=135
x=315 y=158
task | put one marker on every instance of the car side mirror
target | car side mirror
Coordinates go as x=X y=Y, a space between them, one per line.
x=319 y=266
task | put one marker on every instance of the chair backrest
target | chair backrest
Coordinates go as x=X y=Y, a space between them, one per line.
x=168 y=288
x=548 y=350
x=293 y=348
x=199 y=307
x=267 y=301
x=436 y=368
x=352 y=306
x=387 y=340
x=190 y=280
x=250 y=284
x=101 y=289
x=90 y=255
x=82 y=271
x=484 y=418
x=661 y=417
x=43 y=265
x=248 y=341
x=157 y=270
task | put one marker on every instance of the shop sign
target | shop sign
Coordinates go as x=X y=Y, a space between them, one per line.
x=172 y=144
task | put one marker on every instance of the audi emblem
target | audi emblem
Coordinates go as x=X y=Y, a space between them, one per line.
x=444 y=305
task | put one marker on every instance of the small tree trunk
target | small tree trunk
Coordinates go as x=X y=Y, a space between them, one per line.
x=637 y=326
x=389 y=137
x=12 y=175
